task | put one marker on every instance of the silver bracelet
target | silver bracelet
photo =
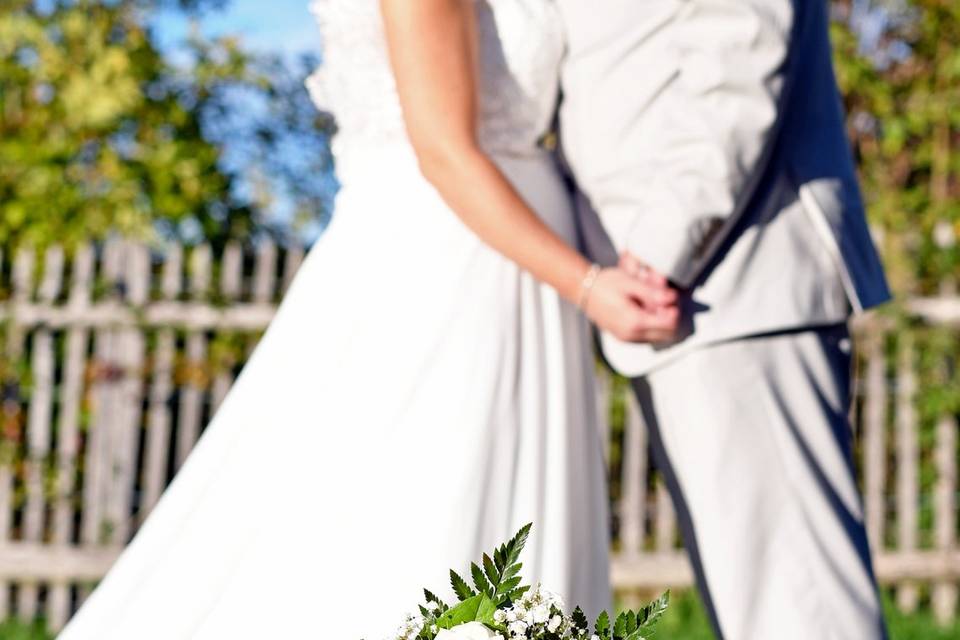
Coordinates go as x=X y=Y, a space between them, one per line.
x=586 y=286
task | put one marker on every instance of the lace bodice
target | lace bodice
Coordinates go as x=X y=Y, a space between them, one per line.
x=521 y=43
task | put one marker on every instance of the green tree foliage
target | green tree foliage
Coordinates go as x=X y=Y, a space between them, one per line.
x=902 y=93
x=100 y=133
x=905 y=124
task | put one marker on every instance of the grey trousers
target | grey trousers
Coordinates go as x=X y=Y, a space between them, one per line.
x=753 y=439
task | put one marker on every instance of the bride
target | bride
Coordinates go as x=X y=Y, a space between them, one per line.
x=425 y=388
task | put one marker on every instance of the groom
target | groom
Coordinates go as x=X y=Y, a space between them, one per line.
x=707 y=139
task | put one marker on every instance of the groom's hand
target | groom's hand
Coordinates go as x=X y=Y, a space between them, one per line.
x=634 y=309
x=662 y=301
x=635 y=267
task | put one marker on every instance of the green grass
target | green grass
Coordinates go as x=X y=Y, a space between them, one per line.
x=919 y=626
x=17 y=631
x=685 y=620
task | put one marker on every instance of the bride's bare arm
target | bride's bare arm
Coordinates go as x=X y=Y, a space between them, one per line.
x=433 y=48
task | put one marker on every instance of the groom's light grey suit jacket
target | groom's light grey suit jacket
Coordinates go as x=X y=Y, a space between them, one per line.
x=707 y=137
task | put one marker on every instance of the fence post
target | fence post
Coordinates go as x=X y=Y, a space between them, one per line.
x=193 y=390
x=68 y=436
x=39 y=426
x=666 y=523
x=231 y=274
x=907 y=464
x=633 y=504
x=944 y=596
x=128 y=390
x=96 y=530
x=603 y=388
x=874 y=437
x=291 y=265
x=633 y=500
x=159 y=421
x=12 y=412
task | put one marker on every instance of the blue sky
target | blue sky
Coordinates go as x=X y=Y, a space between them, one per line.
x=283 y=26
x=268 y=26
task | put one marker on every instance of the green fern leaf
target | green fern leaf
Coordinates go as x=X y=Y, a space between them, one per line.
x=517 y=593
x=620 y=626
x=511 y=571
x=491 y=570
x=480 y=581
x=460 y=587
x=516 y=545
x=651 y=614
x=602 y=627
x=500 y=557
x=507 y=586
x=580 y=619
x=631 y=624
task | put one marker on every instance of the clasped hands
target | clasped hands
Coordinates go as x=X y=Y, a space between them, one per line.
x=634 y=303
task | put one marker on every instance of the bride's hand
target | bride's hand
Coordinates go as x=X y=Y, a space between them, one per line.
x=635 y=267
x=633 y=309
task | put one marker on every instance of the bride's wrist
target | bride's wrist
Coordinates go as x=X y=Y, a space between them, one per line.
x=566 y=276
x=587 y=284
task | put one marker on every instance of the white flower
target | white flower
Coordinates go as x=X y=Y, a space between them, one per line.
x=550 y=598
x=554 y=624
x=469 y=631
x=517 y=628
x=499 y=616
x=410 y=628
x=541 y=613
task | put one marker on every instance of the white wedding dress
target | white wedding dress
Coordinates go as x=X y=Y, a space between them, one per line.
x=416 y=400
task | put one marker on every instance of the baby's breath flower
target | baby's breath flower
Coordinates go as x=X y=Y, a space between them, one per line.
x=410 y=628
x=518 y=628
x=540 y=614
x=554 y=624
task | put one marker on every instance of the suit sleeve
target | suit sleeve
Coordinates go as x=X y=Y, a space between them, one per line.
x=671 y=118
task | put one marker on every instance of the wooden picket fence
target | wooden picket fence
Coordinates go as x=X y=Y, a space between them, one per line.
x=113 y=362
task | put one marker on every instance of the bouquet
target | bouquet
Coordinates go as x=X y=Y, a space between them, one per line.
x=498 y=607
